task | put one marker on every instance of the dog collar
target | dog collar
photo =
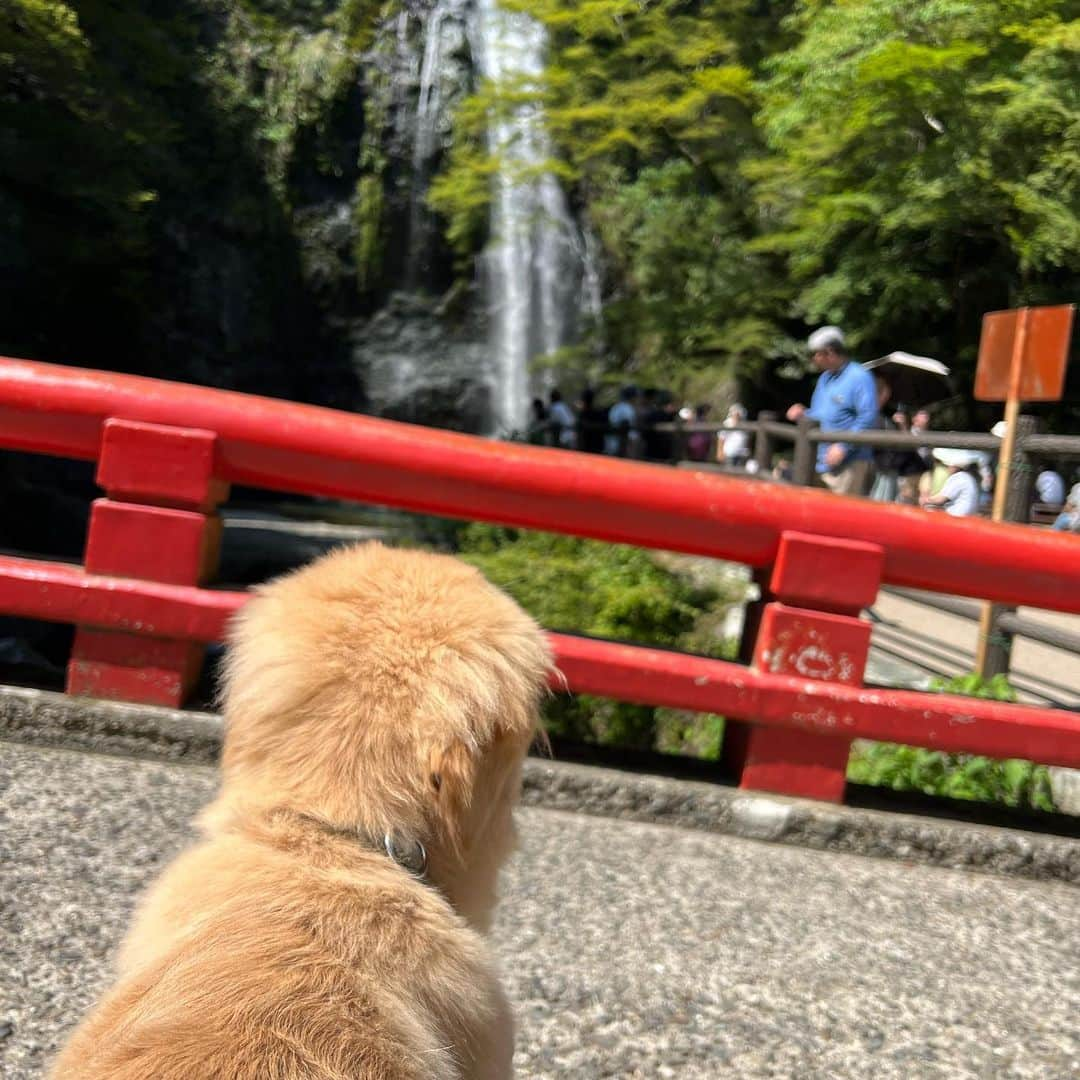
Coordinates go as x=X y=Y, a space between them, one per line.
x=410 y=854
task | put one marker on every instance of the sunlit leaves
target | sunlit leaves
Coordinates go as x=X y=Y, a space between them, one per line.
x=923 y=164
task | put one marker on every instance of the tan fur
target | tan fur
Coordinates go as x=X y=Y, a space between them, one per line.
x=374 y=690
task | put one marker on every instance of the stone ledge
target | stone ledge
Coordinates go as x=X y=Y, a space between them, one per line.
x=37 y=717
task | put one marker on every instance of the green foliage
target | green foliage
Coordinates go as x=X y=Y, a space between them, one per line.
x=923 y=164
x=956 y=776
x=88 y=145
x=898 y=167
x=996 y=688
x=151 y=157
x=610 y=591
x=697 y=735
x=367 y=230
x=649 y=109
x=604 y=590
x=691 y=295
x=630 y=83
x=461 y=192
x=63 y=100
x=288 y=67
x=747 y=166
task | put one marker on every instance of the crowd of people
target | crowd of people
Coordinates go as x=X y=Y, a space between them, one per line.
x=629 y=427
x=847 y=397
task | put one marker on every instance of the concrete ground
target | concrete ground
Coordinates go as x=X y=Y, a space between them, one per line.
x=629 y=950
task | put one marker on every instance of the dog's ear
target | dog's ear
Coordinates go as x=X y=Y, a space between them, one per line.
x=451 y=782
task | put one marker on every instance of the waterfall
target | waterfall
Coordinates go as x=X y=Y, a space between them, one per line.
x=591 y=283
x=442 y=35
x=538 y=276
x=534 y=264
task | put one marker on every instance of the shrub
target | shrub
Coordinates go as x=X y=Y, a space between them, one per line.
x=611 y=591
x=955 y=776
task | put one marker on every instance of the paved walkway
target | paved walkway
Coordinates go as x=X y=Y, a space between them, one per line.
x=932 y=642
x=630 y=950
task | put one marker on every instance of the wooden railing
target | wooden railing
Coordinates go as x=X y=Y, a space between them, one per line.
x=166 y=451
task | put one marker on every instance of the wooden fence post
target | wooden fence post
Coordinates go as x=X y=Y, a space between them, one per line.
x=752 y=614
x=678 y=441
x=804 y=459
x=812 y=631
x=157 y=523
x=763 y=442
x=995 y=654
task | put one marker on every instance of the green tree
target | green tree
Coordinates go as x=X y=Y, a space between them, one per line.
x=923 y=165
x=605 y=590
x=627 y=84
x=77 y=147
x=689 y=295
x=649 y=107
x=152 y=160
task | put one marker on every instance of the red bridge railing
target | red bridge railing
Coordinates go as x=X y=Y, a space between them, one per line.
x=166 y=452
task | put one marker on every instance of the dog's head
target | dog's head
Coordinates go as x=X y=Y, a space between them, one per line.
x=387 y=690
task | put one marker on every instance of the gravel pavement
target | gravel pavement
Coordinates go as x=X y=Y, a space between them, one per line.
x=630 y=950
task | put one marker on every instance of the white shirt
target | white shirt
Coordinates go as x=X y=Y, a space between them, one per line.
x=1050 y=488
x=736 y=445
x=961 y=492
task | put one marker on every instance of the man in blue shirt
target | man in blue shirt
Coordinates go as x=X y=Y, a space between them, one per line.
x=845 y=399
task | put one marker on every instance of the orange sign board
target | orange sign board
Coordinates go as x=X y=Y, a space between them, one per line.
x=1042 y=364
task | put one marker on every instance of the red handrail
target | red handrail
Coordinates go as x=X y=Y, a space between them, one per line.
x=298 y=448
x=65 y=593
x=61 y=592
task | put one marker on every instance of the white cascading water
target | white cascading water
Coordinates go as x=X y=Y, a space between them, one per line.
x=441 y=34
x=534 y=265
x=538 y=274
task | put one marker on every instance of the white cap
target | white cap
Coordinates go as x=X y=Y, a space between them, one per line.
x=824 y=338
x=999 y=429
x=960 y=459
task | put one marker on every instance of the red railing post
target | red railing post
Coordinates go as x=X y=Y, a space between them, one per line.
x=157 y=523
x=811 y=630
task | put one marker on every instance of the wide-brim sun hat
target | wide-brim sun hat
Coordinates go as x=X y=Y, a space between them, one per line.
x=958 y=459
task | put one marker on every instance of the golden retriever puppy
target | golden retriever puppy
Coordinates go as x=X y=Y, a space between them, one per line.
x=378 y=705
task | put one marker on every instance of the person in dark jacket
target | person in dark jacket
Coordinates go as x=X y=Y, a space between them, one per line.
x=891 y=464
x=592 y=422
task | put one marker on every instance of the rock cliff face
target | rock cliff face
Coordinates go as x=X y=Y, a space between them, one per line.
x=417 y=337
x=257 y=217
x=452 y=344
